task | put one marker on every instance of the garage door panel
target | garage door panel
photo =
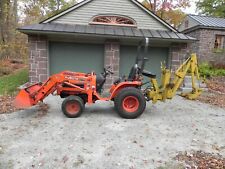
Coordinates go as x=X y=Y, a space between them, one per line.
x=76 y=57
x=155 y=55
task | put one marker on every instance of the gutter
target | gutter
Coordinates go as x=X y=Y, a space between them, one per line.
x=202 y=27
x=30 y=32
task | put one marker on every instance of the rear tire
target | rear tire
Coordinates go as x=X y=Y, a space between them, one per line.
x=130 y=103
x=73 y=106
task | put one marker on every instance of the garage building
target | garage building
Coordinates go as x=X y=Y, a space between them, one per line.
x=94 y=34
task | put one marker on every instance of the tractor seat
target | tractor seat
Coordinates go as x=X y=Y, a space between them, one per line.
x=148 y=74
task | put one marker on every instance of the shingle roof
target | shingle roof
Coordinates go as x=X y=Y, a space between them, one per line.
x=105 y=31
x=209 y=21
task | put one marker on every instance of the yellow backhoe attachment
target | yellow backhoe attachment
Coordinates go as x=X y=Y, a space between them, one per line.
x=169 y=87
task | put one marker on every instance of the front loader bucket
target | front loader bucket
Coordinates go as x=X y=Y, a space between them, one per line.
x=24 y=99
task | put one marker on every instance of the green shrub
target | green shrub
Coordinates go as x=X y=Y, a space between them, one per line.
x=208 y=71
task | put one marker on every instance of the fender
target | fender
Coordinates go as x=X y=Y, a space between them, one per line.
x=116 y=88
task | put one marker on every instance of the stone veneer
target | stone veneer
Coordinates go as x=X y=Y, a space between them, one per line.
x=38 y=67
x=204 y=47
x=112 y=59
x=179 y=52
x=38 y=46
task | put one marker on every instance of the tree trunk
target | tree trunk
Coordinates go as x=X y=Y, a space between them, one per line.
x=163 y=8
x=2 y=21
x=7 y=21
x=154 y=6
x=58 y=5
x=15 y=11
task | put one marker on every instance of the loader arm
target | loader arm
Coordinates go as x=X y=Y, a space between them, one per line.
x=168 y=89
x=33 y=94
x=47 y=88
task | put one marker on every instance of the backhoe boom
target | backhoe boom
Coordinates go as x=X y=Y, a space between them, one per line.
x=168 y=89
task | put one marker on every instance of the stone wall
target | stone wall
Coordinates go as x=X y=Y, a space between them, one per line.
x=179 y=52
x=204 y=47
x=112 y=59
x=38 y=48
x=194 y=47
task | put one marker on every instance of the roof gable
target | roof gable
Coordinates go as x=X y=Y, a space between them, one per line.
x=82 y=12
x=187 y=23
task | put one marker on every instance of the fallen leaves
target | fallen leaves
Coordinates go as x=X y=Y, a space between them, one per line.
x=42 y=109
x=201 y=160
x=6 y=104
x=216 y=92
x=217 y=84
x=213 y=99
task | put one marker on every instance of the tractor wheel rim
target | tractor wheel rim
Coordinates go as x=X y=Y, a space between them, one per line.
x=72 y=107
x=130 y=104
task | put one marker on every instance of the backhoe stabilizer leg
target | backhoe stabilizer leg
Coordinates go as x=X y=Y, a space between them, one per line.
x=194 y=94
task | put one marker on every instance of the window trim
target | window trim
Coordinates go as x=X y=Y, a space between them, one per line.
x=92 y=22
x=222 y=45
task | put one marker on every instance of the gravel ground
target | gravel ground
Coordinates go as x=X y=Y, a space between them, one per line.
x=101 y=139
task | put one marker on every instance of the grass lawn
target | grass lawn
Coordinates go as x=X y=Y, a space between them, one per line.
x=9 y=83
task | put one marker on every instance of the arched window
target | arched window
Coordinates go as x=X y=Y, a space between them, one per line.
x=113 y=20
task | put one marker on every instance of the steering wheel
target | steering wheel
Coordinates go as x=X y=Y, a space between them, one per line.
x=108 y=71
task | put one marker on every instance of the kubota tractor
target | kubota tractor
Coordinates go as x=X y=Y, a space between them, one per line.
x=127 y=92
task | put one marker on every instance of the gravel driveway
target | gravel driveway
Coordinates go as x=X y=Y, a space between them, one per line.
x=101 y=139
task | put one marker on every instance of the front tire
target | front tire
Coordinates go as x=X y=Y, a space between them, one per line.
x=73 y=106
x=130 y=103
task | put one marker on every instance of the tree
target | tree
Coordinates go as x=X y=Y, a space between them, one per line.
x=4 y=20
x=8 y=19
x=169 y=10
x=12 y=43
x=8 y=24
x=35 y=11
x=212 y=7
x=174 y=17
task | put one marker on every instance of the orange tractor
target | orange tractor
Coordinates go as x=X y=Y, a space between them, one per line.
x=81 y=88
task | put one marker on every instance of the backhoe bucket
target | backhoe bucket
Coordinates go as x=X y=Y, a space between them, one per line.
x=24 y=99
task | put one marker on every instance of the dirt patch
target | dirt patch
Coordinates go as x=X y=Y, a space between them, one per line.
x=216 y=92
x=6 y=104
x=42 y=110
x=201 y=160
x=9 y=66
